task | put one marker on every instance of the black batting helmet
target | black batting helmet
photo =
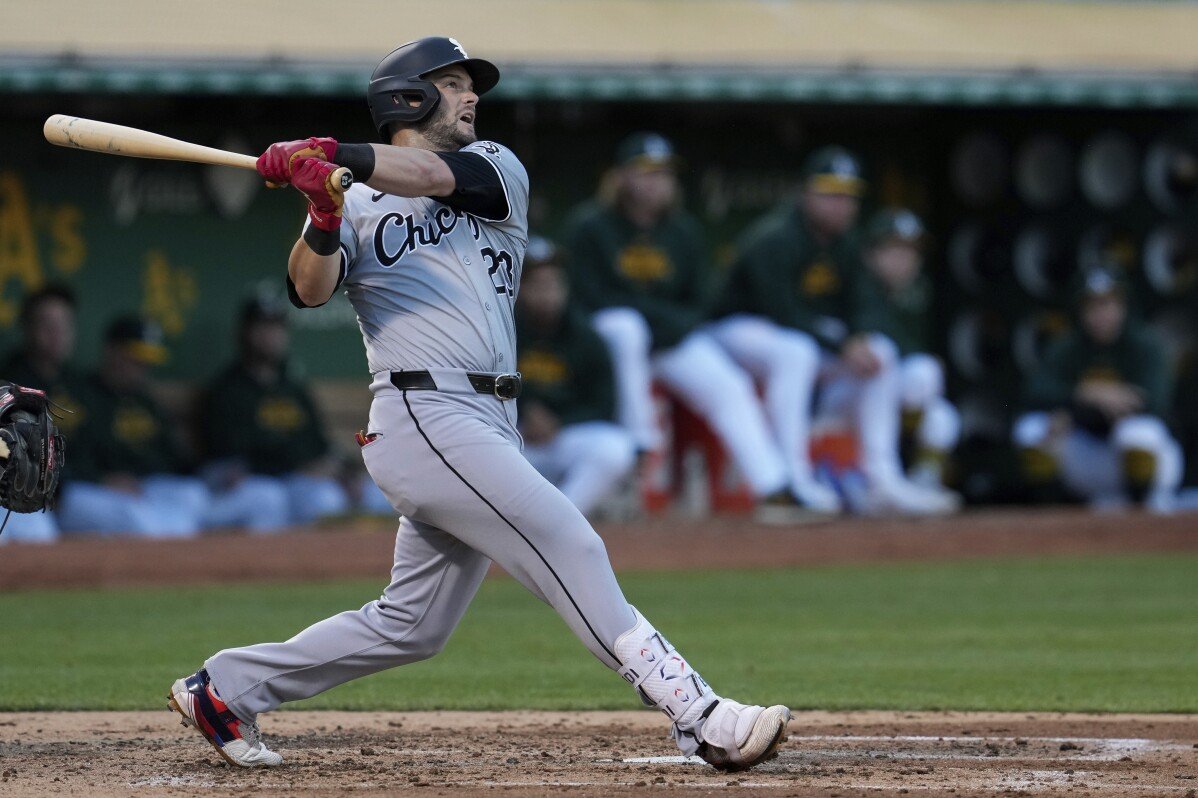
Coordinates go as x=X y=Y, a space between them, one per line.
x=399 y=80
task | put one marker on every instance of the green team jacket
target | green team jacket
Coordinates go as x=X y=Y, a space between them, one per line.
x=782 y=272
x=663 y=272
x=67 y=389
x=123 y=433
x=567 y=369
x=1136 y=358
x=904 y=316
x=273 y=429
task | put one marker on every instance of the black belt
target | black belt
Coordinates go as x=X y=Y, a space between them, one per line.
x=503 y=386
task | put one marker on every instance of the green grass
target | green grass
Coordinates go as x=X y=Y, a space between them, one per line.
x=1087 y=634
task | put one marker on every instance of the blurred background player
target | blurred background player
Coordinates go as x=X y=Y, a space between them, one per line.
x=639 y=262
x=793 y=314
x=901 y=309
x=43 y=361
x=1098 y=400
x=567 y=409
x=266 y=450
x=127 y=464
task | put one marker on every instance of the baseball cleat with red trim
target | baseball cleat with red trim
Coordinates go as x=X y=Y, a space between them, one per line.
x=240 y=743
x=737 y=737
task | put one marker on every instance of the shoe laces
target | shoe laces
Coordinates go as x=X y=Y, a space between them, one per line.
x=252 y=734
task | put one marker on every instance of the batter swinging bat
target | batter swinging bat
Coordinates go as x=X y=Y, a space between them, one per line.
x=87 y=134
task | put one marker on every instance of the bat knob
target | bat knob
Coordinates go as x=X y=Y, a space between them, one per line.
x=343 y=178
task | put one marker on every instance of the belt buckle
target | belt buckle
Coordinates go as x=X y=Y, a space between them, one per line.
x=507 y=386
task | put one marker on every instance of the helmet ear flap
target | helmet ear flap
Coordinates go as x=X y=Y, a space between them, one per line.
x=407 y=99
x=409 y=102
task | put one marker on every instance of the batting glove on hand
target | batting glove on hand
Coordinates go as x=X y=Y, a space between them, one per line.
x=280 y=160
x=313 y=178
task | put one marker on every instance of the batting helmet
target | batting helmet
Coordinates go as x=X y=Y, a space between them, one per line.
x=398 y=90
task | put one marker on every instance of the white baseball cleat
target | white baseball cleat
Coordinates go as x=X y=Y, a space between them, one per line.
x=786 y=508
x=238 y=742
x=818 y=497
x=737 y=737
x=903 y=497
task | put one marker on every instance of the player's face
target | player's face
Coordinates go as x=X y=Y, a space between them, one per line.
x=831 y=214
x=654 y=190
x=543 y=294
x=451 y=127
x=123 y=370
x=51 y=331
x=1103 y=317
x=268 y=340
x=896 y=263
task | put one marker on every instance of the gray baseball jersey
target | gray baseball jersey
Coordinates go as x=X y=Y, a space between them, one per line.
x=434 y=287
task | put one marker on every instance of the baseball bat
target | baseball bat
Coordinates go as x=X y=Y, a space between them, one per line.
x=88 y=134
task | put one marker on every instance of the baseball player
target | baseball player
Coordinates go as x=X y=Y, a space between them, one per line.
x=1097 y=401
x=900 y=307
x=44 y=361
x=428 y=246
x=264 y=439
x=568 y=404
x=639 y=264
x=792 y=316
x=130 y=471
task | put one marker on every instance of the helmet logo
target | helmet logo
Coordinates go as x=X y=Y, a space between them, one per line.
x=457 y=46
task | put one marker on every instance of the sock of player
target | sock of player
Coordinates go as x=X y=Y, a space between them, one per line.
x=664 y=680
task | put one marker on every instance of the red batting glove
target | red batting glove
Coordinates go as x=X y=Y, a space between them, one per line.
x=313 y=178
x=278 y=163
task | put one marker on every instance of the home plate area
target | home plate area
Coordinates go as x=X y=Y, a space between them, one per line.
x=606 y=753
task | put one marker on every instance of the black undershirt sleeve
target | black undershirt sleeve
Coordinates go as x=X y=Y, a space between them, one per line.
x=480 y=191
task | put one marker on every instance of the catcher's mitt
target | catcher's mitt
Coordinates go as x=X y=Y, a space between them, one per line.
x=31 y=450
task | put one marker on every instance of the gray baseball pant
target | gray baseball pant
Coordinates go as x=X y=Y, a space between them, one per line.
x=450 y=463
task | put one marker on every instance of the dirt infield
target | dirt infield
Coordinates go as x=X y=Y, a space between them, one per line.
x=605 y=753
x=363 y=548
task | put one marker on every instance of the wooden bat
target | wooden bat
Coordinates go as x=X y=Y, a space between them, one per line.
x=87 y=134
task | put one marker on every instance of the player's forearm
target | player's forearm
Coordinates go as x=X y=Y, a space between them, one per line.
x=410 y=172
x=314 y=276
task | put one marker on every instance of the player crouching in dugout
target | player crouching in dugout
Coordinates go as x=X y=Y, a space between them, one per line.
x=127 y=467
x=902 y=311
x=795 y=313
x=568 y=404
x=1098 y=399
x=267 y=458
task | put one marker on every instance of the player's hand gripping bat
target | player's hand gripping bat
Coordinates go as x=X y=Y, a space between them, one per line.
x=87 y=134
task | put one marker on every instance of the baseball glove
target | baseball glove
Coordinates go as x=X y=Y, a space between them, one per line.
x=31 y=450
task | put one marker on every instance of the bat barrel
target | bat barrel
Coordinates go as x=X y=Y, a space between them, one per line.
x=88 y=134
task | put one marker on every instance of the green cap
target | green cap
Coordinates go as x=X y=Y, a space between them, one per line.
x=898 y=224
x=141 y=339
x=833 y=170
x=646 y=151
x=263 y=307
